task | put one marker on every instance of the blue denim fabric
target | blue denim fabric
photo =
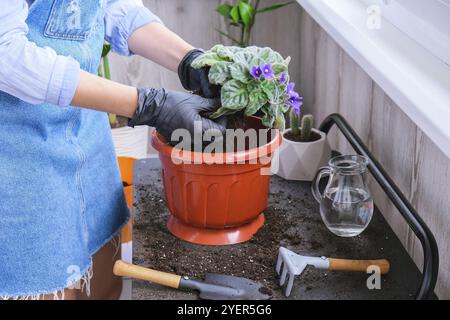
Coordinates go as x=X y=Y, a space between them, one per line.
x=61 y=196
x=65 y=20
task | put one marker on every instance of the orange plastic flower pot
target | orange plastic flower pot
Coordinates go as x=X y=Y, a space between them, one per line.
x=126 y=166
x=219 y=203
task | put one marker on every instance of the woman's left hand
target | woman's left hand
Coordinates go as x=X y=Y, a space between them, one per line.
x=196 y=80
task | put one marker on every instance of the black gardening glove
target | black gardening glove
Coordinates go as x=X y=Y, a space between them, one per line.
x=170 y=110
x=196 y=80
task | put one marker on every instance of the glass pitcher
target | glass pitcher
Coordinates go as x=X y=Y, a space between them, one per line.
x=346 y=206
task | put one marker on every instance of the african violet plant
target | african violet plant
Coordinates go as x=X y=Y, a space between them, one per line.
x=252 y=79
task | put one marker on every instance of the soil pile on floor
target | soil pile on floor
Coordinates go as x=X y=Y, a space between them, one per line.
x=293 y=221
x=255 y=259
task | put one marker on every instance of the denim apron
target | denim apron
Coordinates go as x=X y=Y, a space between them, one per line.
x=61 y=195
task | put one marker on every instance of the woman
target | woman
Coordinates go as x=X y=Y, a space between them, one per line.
x=61 y=199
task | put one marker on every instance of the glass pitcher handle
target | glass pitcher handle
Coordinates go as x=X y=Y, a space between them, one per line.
x=325 y=171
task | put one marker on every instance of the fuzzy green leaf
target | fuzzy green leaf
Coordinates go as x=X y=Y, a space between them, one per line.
x=246 y=57
x=269 y=109
x=270 y=56
x=257 y=100
x=253 y=85
x=219 y=73
x=222 y=112
x=268 y=118
x=269 y=88
x=285 y=108
x=279 y=68
x=216 y=48
x=234 y=95
x=226 y=53
x=208 y=59
x=240 y=72
x=287 y=61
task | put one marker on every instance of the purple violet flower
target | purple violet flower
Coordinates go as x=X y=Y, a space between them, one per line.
x=267 y=71
x=256 y=72
x=295 y=100
x=290 y=88
x=283 y=77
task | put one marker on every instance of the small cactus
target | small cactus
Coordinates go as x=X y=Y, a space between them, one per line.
x=301 y=127
x=295 y=122
x=307 y=125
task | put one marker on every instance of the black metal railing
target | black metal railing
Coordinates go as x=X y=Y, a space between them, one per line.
x=430 y=249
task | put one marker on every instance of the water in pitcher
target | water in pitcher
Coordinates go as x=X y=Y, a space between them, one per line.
x=347 y=212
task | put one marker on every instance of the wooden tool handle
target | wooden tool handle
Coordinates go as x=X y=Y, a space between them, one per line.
x=123 y=269
x=359 y=265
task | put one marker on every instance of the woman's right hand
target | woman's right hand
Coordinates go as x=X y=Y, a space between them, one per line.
x=168 y=111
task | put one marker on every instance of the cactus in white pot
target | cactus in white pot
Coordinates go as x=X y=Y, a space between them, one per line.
x=304 y=149
x=301 y=127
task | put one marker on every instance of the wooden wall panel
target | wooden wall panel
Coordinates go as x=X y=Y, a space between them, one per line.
x=413 y=161
x=355 y=93
x=327 y=75
x=307 y=80
x=431 y=197
x=393 y=153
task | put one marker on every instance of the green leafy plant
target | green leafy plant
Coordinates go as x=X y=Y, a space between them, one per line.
x=104 y=72
x=301 y=127
x=103 y=68
x=252 y=79
x=242 y=14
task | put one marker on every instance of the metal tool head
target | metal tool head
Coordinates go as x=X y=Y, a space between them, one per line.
x=224 y=287
x=290 y=264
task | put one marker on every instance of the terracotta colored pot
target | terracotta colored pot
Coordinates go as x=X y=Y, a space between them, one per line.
x=126 y=166
x=220 y=203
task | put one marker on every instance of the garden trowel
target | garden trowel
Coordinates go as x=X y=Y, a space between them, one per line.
x=214 y=287
x=290 y=264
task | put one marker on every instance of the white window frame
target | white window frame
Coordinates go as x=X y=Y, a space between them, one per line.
x=405 y=60
x=425 y=21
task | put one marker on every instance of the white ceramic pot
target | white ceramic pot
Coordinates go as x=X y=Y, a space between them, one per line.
x=131 y=142
x=301 y=160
